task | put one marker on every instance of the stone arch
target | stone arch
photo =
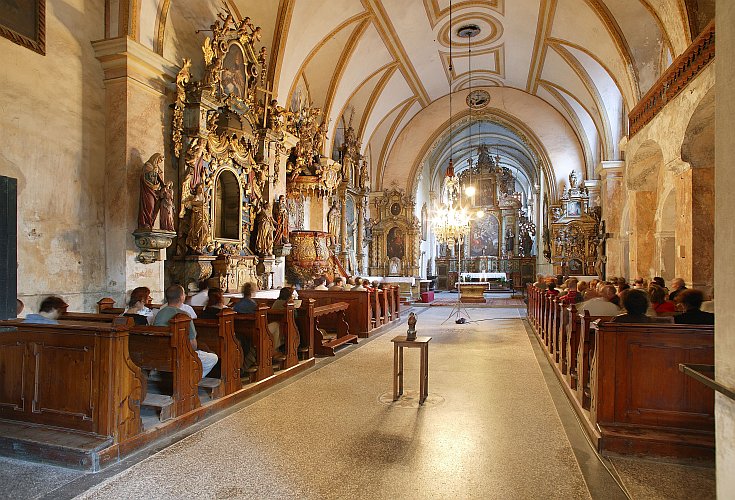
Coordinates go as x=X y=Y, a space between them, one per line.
x=696 y=198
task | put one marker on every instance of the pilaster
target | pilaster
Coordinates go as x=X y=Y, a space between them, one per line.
x=612 y=197
x=136 y=80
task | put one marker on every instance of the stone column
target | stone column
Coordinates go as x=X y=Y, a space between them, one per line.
x=137 y=121
x=343 y=229
x=724 y=243
x=360 y=254
x=594 y=189
x=612 y=192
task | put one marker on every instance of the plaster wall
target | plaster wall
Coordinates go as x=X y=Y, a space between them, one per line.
x=724 y=243
x=52 y=121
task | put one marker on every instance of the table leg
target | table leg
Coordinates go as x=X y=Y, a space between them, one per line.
x=422 y=378
x=400 y=370
x=395 y=372
x=426 y=372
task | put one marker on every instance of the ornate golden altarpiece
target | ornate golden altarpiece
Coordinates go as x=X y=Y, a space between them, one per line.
x=396 y=235
x=499 y=240
x=573 y=243
x=220 y=136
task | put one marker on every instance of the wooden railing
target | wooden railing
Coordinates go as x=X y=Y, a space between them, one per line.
x=683 y=70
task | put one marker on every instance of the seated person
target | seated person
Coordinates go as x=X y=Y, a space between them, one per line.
x=350 y=284
x=659 y=301
x=602 y=305
x=691 y=300
x=137 y=306
x=635 y=302
x=551 y=287
x=572 y=296
x=48 y=312
x=279 y=304
x=358 y=287
x=216 y=301
x=200 y=298
x=338 y=285
x=319 y=284
x=246 y=305
x=640 y=283
x=540 y=282
x=175 y=296
x=677 y=286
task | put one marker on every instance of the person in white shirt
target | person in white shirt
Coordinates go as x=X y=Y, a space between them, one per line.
x=319 y=282
x=201 y=297
x=601 y=306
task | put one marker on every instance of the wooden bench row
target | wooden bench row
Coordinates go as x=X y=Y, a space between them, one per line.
x=623 y=379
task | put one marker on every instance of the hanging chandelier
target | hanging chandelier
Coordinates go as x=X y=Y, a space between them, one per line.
x=451 y=221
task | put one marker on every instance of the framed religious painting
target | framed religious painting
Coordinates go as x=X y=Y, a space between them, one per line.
x=574 y=209
x=24 y=22
x=395 y=209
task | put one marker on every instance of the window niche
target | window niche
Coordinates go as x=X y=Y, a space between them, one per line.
x=227 y=205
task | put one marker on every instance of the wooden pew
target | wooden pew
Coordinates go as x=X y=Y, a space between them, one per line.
x=290 y=332
x=396 y=310
x=76 y=376
x=168 y=349
x=641 y=403
x=384 y=309
x=358 y=314
x=571 y=346
x=330 y=317
x=219 y=335
x=377 y=312
x=585 y=350
x=253 y=329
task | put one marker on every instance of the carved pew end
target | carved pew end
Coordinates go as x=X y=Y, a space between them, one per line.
x=163 y=404
x=213 y=386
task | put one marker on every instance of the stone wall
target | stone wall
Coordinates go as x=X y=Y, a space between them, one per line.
x=724 y=243
x=53 y=125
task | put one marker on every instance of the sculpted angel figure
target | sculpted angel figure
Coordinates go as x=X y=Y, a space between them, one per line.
x=264 y=239
x=150 y=185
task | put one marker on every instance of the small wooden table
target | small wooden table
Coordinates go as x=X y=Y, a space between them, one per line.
x=398 y=344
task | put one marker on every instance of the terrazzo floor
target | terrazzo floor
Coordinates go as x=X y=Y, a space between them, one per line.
x=492 y=432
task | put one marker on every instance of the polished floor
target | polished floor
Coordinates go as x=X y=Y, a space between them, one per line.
x=495 y=426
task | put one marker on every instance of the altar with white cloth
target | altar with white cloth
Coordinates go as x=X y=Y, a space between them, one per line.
x=406 y=284
x=466 y=277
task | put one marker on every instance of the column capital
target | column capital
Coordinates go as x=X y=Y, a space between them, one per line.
x=608 y=169
x=124 y=57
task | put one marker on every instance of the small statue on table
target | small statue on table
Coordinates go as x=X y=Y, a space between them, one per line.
x=411 y=333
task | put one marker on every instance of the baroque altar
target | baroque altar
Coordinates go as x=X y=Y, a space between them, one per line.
x=395 y=235
x=226 y=152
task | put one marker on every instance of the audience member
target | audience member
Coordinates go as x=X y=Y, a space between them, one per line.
x=216 y=301
x=659 y=301
x=137 y=306
x=691 y=300
x=350 y=284
x=602 y=305
x=175 y=296
x=274 y=327
x=572 y=295
x=319 y=284
x=677 y=286
x=540 y=282
x=635 y=302
x=622 y=286
x=551 y=287
x=366 y=285
x=338 y=285
x=359 y=287
x=200 y=298
x=246 y=305
x=48 y=312
x=640 y=283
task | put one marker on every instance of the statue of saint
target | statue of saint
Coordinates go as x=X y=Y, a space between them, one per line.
x=573 y=180
x=333 y=218
x=364 y=176
x=198 y=236
x=167 y=207
x=150 y=185
x=264 y=239
x=280 y=214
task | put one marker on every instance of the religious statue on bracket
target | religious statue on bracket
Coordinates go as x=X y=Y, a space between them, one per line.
x=333 y=219
x=156 y=197
x=266 y=229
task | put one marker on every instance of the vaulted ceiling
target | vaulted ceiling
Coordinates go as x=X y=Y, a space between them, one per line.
x=564 y=73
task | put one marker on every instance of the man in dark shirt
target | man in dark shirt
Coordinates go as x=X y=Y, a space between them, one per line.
x=677 y=286
x=635 y=302
x=246 y=305
x=691 y=300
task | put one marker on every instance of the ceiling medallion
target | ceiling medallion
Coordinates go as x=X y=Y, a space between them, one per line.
x=468 y=31
x=478 y=99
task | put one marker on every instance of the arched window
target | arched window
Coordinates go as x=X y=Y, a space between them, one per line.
x=227 y=207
